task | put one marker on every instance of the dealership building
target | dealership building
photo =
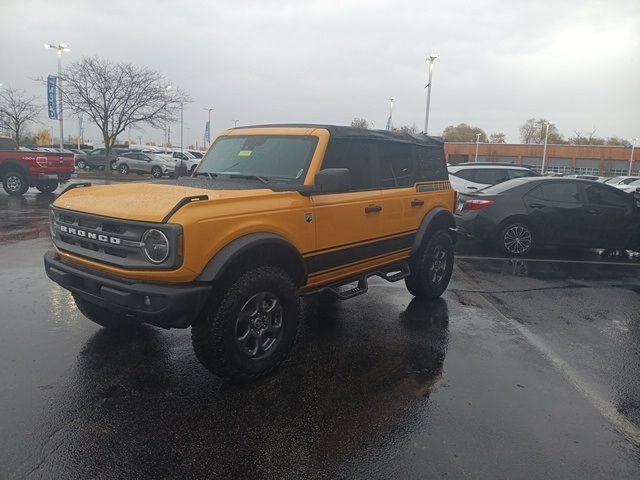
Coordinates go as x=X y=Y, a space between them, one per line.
x=578 y=159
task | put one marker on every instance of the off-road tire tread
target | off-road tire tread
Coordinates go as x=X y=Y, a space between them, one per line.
x=23 y=178
x=207 y=333
x=419 y=286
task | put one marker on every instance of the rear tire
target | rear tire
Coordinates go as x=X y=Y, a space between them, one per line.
x=516 y=239
x=81 y=164
x=123 y=169
x=431 y=267
x=47 y=187
x=251 y=329
x=103 y=317
x=15 y=183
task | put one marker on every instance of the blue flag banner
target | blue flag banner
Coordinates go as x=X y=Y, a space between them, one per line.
x=207 y=133
x=52 y=96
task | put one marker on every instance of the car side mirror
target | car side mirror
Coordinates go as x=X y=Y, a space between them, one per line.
x=333 y=180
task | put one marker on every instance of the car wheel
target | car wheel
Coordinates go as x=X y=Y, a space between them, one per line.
x=47 y=187
x=114 y=164
x=123 y=169
x=15 y=183
x=156 y=172
x=103 y=317
x=251 y=329
x=516 y=239
x=431 y=267
x=81 y=164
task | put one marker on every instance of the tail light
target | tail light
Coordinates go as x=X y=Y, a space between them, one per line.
x=478 y=204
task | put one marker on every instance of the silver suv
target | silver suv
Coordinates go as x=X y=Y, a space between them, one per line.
x=138 y=162
x=470 y=177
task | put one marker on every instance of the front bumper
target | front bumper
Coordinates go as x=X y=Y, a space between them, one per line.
x=163 y=305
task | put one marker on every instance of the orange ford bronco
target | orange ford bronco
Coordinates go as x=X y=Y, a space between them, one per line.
x=272 y=212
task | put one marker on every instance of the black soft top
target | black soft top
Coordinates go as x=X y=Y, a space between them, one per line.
x=353 y=133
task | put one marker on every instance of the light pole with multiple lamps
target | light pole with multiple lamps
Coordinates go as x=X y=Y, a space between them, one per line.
x=61 y=47
x=544 y=151
x=477 y=143
x=431 y=59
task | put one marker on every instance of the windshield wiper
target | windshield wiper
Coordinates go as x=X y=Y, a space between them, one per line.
x=208 y=174
x=250 y=177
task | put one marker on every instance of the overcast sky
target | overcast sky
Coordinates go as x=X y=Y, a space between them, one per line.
x=575 y=62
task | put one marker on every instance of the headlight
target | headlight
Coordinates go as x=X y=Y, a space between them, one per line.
x=155 y=246
x=52 y=227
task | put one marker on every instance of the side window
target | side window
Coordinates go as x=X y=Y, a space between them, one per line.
x=430 y=163
x=513 y=173
x=357 y=156
x=396 y=164
x=466 y=174
x=606 y=196
x=491 y=176
x=565 y=192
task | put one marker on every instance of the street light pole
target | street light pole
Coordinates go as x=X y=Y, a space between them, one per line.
x=390 y=120
x=477 y=142
x=61 y=47
x=633 y=147
x=431 y=59
x=544 y=151
x=235 y=123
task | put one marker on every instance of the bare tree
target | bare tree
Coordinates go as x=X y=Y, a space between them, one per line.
x=118 y=95
x=463 y=133
x=17 y=109
x=534 y=131
x=360 y=123
x=498 y=137
x=406 y=129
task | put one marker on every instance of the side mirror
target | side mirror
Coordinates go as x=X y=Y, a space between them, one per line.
x=333 y=180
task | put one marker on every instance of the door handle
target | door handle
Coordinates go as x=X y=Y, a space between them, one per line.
x=417 y=203
x=536 y=205
x=373 y=209
x=593 y=211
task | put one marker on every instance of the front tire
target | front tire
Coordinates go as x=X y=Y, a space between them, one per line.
x=103 y=317
x=251 y=329
x=156 y=172
x=516 y=239
x=47 y=187
x=123 y=169
x=15 y=183
x=81 y=164
x=431 y=267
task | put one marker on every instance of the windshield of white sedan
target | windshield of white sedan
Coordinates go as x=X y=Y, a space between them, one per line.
x=280 y=158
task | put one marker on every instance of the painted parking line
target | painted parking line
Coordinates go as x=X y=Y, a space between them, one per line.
x=551 y=260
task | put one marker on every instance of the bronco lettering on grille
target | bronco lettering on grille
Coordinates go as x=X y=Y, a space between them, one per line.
x=91 y=235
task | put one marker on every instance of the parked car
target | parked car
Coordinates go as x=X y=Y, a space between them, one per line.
x=593 y=178
x=625 y=182
x=615 y=180
x=522 y=214
x=196 y=153
x=629 y=187
x=138 y=162
x=97 y=157
x=184 y=157
x=470 y=177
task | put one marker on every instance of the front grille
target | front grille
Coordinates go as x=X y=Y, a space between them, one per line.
x=108 y=241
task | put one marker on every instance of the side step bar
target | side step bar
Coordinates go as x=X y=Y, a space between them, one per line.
x=390 y=274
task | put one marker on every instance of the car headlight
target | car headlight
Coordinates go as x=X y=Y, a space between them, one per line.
x=155 y=245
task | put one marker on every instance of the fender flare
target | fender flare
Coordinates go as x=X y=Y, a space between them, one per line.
x=233 y=251
x=437 y=218
x=13 y=164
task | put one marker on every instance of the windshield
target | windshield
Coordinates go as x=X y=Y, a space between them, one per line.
x=285 y=158
x=627 y=181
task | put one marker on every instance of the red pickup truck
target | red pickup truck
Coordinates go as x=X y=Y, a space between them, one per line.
x=21 y=169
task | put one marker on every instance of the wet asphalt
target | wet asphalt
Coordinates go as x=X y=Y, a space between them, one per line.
x=524 y=369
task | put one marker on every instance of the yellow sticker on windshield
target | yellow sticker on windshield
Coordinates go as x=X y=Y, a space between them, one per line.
x=244 y=153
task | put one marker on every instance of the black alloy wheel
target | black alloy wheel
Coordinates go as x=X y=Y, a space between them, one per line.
x=123 y=169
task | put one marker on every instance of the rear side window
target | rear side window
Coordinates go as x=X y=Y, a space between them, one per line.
x=491 y=176
x=466 y=174
x=396 y=164
x=515 y=173
x=607 y=196
x=430 y=163
x=563 y=192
